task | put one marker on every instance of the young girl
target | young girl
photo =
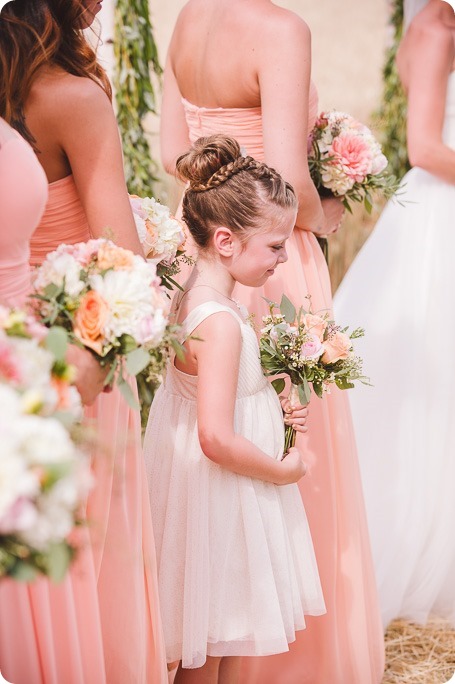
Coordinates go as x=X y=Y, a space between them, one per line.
x=237 y=571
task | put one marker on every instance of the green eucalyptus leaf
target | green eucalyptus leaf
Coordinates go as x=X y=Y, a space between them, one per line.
x=278 y=385
x=288 y=310
x=23 y=572
x=128 y=394
x=137 y=360
x=304 y=392
x=58 y=560
x=57 y=342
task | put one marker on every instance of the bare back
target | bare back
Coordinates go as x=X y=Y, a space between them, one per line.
x=218 y=47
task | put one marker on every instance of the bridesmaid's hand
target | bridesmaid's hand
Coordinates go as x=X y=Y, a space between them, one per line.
x=90 y=376
x=333 y=214
x=295 y=415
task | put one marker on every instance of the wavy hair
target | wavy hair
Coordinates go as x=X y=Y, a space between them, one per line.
x=38 y=33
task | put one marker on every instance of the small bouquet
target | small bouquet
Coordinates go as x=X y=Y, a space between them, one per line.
x=346 y=161
x=44 y=476
x=111 y=301
x=309 y=348
x=162 y=237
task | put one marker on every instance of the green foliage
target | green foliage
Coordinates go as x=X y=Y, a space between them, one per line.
x=137 y=81
x=391 y=116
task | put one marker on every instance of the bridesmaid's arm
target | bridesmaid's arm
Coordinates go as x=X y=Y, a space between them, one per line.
x=284 y=70
x=89 y=137
x=430 y=61
x=174 y=136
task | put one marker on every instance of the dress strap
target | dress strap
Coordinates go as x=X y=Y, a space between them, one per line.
x=203 y=311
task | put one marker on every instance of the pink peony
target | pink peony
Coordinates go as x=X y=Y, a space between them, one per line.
x=9 y=369
x=312 y=348
x=353 y=154
x=20 y=517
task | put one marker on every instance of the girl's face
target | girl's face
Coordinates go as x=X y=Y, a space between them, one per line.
x=254 y=261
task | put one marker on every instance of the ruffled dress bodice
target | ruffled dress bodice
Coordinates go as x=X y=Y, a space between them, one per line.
x=243 y=124
x=63 y=222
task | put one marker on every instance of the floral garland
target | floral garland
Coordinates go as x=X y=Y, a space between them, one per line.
x=391 y=116
x=137 y=79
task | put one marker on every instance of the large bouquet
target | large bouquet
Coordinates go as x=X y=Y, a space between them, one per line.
x=43 y=475
x=346 y=161
x=162 y=237
x=111 y=301
x=311 y=350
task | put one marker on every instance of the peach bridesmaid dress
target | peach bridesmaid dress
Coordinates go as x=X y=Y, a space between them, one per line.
x=118 y=507
x=49 y=633
x=345 y=646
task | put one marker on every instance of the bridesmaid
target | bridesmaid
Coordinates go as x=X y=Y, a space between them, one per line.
x=261 y=93
x=58 y=627
x=58 y=97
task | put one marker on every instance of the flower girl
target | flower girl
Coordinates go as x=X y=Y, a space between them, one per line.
x=237 y=572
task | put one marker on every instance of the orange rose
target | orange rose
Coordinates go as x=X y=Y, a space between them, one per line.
x=90 y=319
x=111 y=256
x=336 y=348
x=315 y=324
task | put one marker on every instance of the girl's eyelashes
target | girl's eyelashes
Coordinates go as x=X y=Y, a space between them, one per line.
x=277 y=247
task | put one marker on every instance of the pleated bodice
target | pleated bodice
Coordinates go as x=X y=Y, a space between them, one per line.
x=243 y=124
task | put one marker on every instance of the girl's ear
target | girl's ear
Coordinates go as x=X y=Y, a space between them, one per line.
x=223 y=241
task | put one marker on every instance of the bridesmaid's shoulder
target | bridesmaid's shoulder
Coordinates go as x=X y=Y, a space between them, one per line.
x=62 y=93
x=283 y=24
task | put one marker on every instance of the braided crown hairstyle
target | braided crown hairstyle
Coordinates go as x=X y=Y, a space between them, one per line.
x=228 y=189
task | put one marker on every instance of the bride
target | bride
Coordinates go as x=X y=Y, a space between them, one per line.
x=401 y=288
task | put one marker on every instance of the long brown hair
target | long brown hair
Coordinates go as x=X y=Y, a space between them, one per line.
x=36 y=33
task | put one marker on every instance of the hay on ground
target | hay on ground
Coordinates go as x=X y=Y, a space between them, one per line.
x=419 y=654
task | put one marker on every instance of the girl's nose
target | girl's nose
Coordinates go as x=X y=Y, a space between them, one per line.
x=283 y=256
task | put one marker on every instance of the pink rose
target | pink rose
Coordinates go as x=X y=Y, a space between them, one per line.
x=9 y=369
x=315 y=324
x=353 y=154
x=337 y=347
x=312 y=348
x=19 y=517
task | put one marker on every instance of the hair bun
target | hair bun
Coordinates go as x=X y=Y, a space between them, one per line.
x=206 y=157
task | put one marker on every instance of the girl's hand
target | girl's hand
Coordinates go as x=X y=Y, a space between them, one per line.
x=90 y=375
x=333 y=213
x=294 y=467
x=295 y=416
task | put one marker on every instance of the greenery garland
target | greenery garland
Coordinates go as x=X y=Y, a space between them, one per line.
x=391 y=117
x=137 y=80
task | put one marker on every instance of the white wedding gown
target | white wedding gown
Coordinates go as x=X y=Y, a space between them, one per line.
x=401 y=289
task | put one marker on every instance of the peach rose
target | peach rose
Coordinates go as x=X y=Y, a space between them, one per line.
x=111 y=256
x=90 y=319
x=337 y=347
x=352 y=153
x=315 y=324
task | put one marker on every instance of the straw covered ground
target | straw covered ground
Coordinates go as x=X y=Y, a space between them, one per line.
x=417 y=654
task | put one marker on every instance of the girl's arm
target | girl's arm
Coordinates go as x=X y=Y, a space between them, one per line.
x=88 y=135
x=218 y=357
x=430 y=61
x=284 y=69
x=174 y=136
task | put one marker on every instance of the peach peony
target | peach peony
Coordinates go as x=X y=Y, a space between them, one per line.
x=337 y=347
x=111 y=256
x=353 y=154
x=90 y=319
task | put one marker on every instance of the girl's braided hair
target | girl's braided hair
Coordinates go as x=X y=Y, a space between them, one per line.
x=228 y=189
